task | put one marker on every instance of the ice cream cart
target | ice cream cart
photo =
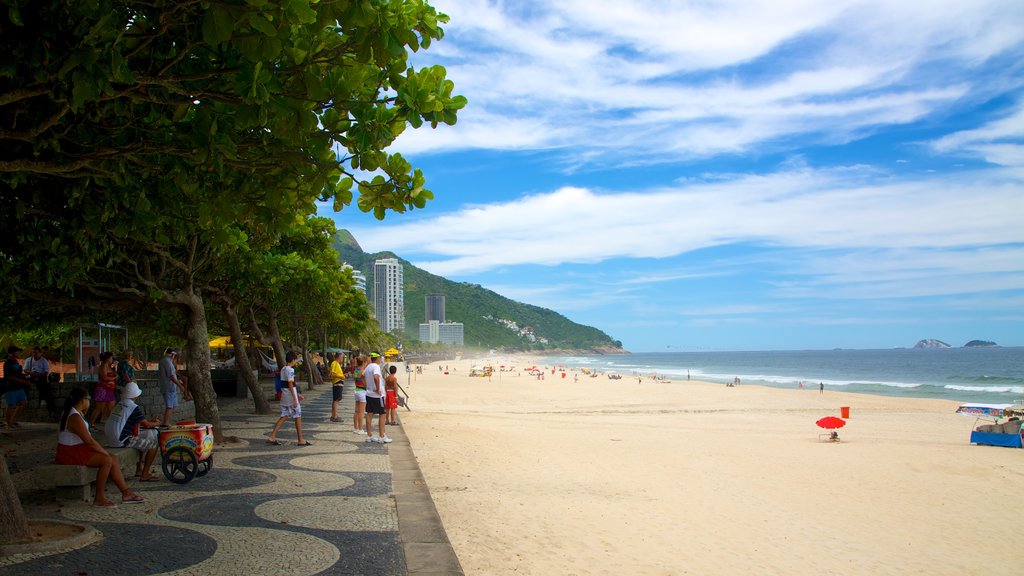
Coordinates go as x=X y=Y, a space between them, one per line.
x=186 y=450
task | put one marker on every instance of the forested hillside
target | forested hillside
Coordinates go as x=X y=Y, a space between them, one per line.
x=491 y=320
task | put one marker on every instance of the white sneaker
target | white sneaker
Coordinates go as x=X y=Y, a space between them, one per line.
x=369 y=439
x=384 y=440
x=357 y=431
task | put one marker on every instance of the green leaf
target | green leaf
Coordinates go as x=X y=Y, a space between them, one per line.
x=15 y=15
x=217 y=25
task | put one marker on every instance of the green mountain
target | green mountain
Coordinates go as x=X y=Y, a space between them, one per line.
x=490 y=319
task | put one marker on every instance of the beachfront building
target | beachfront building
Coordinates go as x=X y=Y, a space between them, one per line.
x=389 y=295
x=357 y=276
x=451 y=333
x=435 y=307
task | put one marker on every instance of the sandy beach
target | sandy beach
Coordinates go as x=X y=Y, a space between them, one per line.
x=596 y=476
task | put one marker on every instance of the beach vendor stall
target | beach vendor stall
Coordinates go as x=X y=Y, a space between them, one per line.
x=1006 y=434
x=186 y=450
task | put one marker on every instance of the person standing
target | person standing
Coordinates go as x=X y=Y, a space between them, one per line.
x=170 y=384
x=38 y=368
x=374 y=399
x=125 y=369
x=337 y=373
x=17 y=384
x=391 y=389
x=290 y=406
x=360 y=394
x=821 y=387
x=104 y=394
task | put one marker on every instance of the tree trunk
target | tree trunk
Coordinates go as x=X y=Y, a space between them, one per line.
x=199 y=382
x=13 y=524
x=275 y=339
x=242 y=361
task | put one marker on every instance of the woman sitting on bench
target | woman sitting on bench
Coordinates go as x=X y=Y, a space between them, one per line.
x=76 y=447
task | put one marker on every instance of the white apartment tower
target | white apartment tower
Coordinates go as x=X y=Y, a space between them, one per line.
x=388 y=295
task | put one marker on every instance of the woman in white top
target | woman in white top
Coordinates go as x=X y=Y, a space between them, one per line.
x=77 y=447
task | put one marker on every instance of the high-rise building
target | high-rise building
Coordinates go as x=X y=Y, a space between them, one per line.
x=357 y=276
x=444 y=332
x=435 y=307
x=389 y=295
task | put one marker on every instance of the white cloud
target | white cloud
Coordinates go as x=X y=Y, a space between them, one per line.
x=1000 y=141
x=663 y=76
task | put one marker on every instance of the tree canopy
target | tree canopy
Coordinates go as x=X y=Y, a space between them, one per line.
x=147 y=145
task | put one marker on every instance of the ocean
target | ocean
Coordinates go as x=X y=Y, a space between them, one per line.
x=987 y=375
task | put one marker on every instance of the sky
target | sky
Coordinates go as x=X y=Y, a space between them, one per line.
x=745 y=175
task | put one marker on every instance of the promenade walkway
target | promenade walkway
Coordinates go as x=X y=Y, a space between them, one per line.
x=341 y=506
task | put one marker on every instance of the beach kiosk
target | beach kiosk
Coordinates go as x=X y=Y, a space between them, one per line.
x=1006 y=434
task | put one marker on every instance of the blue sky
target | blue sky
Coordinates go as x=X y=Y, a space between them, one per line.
x=746 y=175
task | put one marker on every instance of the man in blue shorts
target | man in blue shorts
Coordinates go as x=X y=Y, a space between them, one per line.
x=17 y=399
x=169 y=385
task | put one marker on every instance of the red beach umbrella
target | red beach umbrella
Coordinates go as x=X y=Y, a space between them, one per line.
x=831 y=422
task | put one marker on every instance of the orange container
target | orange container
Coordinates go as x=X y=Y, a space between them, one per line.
x=844 y=411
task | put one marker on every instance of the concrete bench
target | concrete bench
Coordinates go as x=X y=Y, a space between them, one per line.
x=75 y=482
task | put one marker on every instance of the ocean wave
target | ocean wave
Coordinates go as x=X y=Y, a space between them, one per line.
x=996 y=389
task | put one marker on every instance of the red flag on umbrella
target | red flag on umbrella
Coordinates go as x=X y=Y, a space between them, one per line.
x=831 y=422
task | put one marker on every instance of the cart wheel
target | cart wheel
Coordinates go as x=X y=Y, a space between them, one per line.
x=205 y=466
x=180 y=465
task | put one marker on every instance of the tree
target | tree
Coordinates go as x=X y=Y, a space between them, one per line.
x=143 y=142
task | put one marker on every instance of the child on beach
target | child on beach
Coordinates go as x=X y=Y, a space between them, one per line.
x=391 y=389
x=290 y=407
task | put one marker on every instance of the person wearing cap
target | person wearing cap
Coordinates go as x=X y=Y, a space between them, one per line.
x=170 y=384
x=17 y=383
x=375 y=395
x=127 y=427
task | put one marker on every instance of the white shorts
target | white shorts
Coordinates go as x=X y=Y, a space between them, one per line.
x=360 y=396
x=291 y=411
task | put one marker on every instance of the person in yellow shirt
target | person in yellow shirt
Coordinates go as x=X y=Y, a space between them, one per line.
x=337 y=374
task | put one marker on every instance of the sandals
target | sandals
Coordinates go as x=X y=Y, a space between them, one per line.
x=134 y=498
x=150 y=478
x=274 y=442
x=106 y=504
x=306 y=443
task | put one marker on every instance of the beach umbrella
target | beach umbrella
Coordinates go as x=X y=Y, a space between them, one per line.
x=831 y=423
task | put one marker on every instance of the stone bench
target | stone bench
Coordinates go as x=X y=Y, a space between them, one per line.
x=75 y=482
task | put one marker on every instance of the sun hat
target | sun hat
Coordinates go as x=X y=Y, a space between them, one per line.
x=170 y=351
x=132 y=390
x=374 y=355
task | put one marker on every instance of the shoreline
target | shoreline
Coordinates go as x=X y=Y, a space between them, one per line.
x=608 y=477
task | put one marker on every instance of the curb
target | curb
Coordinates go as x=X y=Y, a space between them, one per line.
x=88 y=535
x=424 y=540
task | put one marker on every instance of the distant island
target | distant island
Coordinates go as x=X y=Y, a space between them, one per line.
x=933 y=343
x=980 y=344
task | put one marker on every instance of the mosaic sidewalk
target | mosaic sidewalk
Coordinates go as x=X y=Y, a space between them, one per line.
x=324 y=509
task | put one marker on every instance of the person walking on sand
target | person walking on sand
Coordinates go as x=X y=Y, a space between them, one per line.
x=290 y=406
x=337 y=385
x=375 y=399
